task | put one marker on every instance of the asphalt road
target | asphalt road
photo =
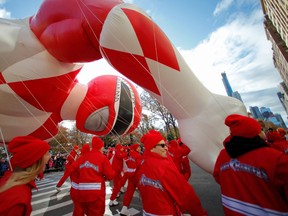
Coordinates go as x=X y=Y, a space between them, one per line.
x=207 y=189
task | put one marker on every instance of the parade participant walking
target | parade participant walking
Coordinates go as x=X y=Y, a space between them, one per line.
x=29 y=157
x=185 y=163
x=132 y=163
x=77 y=210
x=117 y=164
x=163 y=189
x=253 y=176
x=93 y=168
x=177 y=152
x=70 y=159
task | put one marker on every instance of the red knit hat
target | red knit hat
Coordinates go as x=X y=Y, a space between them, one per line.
x=85 y=149
x=274 y=136
x=134 y=146
x=75 y=148
x=151 y=139
x=281 y=131
x=243 y=126
x=26 y=150
x=97 y=143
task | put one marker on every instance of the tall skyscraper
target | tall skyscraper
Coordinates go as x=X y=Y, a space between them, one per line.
x=275 y=24
x=237 y=95
x=226 y=83
x=255 y=112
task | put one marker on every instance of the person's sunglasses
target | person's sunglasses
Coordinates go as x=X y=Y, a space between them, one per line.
x=162 y=145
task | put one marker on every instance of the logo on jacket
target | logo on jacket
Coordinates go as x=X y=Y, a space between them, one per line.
x=87 y=164
x=151 y=182
x=236 y=165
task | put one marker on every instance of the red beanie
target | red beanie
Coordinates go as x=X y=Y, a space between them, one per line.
x=85 y=149
x=243 y=126
x=274 y=136
x=26 y=150
x=75 y=148
x=134 y=146
x=97 y=143
x=151 y=139
x=281 y=131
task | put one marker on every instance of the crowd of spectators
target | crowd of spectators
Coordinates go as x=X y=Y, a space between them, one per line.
x=56 y=162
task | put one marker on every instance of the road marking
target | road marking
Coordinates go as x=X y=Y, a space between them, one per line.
x=50 y=208
x=58 y=197
x=49 y=192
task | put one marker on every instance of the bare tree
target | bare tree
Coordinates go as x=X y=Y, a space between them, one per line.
x=61 y=142
x=79 y=138
x=159 y=116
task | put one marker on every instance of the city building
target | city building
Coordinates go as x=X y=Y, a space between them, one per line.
x=237 y=95
x=276 y=28
x=266 y=114
x=227 y=85
x=228 y=88
x=283 y=95
x=263 y=113
x=255 y=112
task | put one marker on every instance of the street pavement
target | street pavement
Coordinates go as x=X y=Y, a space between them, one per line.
x=46 y=201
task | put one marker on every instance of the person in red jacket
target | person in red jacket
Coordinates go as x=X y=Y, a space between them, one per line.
x=74 y=177
x=177 y=153
x=70 y=159
x=132 y=162
x=282 y=133
x=117 y=164
x=93 y=168
x=278 y=142
x=29 y=157
x=164 y=191
x=185 y=164
x=253 y=176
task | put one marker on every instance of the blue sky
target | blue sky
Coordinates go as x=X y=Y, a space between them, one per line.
x=213 y=37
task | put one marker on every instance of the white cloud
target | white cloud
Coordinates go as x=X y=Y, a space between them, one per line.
x=4 y=13
x=221 y=6
x=239 y=48
x=129 y=1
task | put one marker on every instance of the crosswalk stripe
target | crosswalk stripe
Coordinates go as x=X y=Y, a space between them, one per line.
x=48 y=192
x=43 y=182
x=43 y=187
x=69 y=214
x=46 y=200
x=50 y=208
x=58 y=197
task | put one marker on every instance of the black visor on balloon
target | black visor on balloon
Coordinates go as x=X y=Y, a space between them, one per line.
x=125 y=114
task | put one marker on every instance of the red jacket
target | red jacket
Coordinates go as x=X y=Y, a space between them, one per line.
x=177 y=152
x=117 y=161
x=253 y=183
x=185 y=167
x=281 y=145
x=163 y=189
x=93 y=168
x=131 y=162
x=16 y=200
